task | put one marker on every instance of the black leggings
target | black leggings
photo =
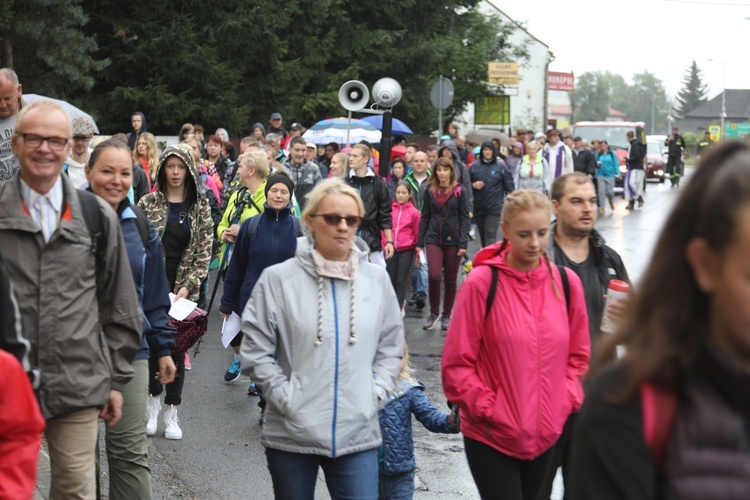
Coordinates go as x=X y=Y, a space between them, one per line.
x=499 y=476
x=174 y=390
x=398 y=268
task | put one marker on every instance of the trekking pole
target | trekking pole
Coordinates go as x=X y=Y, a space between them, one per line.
x=213 y=293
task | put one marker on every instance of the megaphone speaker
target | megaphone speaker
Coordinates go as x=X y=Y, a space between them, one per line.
x=353 y=95
x=386 y=92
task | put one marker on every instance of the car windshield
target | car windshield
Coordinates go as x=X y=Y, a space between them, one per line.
x=615 y=136
x=653 y=148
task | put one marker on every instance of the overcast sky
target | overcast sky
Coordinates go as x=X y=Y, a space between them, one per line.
x=627 y=37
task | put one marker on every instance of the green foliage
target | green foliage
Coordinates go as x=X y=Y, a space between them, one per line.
x=590 y=100
x=693 y=92
x=44 y=42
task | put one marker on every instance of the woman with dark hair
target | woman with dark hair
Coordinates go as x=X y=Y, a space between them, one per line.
x=398 y=172
x=444 y=234
x=181 y=214
x=607 y=168
x=137 y=127
x=670 y=420
x=185 y=131
x=217 y=162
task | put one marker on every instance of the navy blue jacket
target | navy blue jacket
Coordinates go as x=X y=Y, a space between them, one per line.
x=150 y=278
x=498 y=182
x=274 y=241
x=396 y=454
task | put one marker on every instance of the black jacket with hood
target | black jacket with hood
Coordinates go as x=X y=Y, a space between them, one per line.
x=446 y=226
x=374 y=193
x=498 y=182
x=462 y=173
x=133 y=135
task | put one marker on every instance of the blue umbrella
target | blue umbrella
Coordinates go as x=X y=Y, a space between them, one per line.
x=398 y=127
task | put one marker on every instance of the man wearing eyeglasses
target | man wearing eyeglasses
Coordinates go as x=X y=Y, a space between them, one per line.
x=78 y=305
x=10 y=105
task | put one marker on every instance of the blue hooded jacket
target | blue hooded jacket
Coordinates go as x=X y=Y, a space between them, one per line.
x=498 y=182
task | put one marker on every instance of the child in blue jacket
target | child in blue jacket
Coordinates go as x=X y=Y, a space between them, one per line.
x=396 y=455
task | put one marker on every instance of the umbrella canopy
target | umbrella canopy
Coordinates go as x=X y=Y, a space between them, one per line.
x=72 y=110
x=487 y=134
x=334 y=130
x=398 y=127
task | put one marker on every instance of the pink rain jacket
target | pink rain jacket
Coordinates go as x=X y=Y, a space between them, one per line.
x=517 y=376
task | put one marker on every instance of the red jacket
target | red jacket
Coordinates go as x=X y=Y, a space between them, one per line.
x=516 y=377
x=406 y=219
x=21 y=426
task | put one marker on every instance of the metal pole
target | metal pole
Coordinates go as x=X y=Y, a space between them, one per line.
x=386 y=143
x=653 y=111
x=724 y=103
x=440 y=109
x=346 y=157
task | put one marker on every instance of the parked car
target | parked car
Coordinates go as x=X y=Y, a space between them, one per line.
x=655 y=158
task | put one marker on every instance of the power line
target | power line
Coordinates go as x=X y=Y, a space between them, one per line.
x=704 y=2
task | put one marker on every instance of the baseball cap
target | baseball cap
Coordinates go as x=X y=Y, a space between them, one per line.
x=275 y=116
x=554 y=131
x=312 y=145
x=82 y=127
x=295 y=125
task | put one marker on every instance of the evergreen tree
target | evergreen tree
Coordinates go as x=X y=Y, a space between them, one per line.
x=693 y=92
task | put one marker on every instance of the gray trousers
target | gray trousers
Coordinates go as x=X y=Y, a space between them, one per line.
x=606 y=190
x=488 y=225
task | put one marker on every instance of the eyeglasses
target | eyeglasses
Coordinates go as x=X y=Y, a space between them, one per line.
x=54 y=143
x=334 y=219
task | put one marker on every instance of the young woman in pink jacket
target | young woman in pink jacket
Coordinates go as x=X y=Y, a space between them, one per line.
x=405 y=231
x=513 y=360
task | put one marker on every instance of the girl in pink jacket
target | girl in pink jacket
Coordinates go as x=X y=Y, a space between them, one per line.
x=513 y=361
x=405 y=229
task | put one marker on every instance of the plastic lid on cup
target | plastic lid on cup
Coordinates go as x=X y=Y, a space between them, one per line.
x=619 y=286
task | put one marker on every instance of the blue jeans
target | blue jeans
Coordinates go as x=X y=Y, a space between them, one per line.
x=349 y=477
x=419 y=278
x=396 y=487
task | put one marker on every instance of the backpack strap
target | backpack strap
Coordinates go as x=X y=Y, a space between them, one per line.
x=492 y=292
x=658 y=410
x=141 y=221
x=565 y=284
x=253 y=223
x=92 y=215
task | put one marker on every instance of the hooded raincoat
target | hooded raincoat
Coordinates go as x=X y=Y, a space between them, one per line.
x=516 y=372
x=497 y=179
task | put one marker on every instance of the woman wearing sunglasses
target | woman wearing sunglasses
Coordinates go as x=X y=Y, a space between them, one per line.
x=324 y=341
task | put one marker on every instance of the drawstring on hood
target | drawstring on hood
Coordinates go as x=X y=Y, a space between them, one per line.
x=344 y=270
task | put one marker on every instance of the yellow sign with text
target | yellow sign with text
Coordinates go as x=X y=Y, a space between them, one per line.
x=502 y=73
x=492 y=111
x=715 y=132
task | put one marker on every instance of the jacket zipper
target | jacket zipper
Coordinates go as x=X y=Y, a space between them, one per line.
x=336 y=369
x=398 y=227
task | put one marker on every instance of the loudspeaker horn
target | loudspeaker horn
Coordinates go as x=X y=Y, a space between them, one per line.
x=353 y=95
x=386 y=92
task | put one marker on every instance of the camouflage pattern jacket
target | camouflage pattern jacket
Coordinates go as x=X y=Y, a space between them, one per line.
x=196 y=258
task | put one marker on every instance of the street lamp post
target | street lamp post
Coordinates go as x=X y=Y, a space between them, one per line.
x=723 y=97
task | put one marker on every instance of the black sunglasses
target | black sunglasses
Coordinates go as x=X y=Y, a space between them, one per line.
x=335 y=219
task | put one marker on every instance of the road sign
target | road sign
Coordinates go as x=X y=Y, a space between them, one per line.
x=492 y=111
x=737 y=130
x=715 y=132
x=561 y=81
x=502 y=73
x=441 y=94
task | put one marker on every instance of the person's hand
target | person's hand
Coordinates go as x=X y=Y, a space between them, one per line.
x=417 y=260
x=616 y=311
x=389 y=250
x=183 y=293
x=112 y=411
x=167 y=370
x=224 y=316
x=461 y=252
x=230 y=233
x=471 y=215
x=477 y=185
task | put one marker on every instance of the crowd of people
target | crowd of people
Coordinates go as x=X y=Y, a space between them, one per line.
x=316 y=251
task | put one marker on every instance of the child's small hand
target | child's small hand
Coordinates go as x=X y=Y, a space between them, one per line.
x=453 y=419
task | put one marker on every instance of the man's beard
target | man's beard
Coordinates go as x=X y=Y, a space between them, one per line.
x=573 y=232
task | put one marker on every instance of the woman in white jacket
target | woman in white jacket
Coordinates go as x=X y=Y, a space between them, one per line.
x=324 y=340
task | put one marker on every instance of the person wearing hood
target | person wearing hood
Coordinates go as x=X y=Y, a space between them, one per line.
x=83 y=131
x=448 y=149
x=137 y=127
x=516 y=353
x=514 y=158
x=258 y=132
x=492 y=182
x=181 y=214
x=325 y=379
x=305 y=174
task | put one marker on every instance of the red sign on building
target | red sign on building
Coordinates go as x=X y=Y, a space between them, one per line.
x=561 y=81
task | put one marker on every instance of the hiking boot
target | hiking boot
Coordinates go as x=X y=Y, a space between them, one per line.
x=173 y=430
x=421 y=300
x=612 y=205
x=640 y=201
x=631 y=205
x=154 y=408
x=473 y=232
x=430 y=323
x=188 y=367
x=601 y=211
x=233 y=372
x=445 y=322
x=252 y=390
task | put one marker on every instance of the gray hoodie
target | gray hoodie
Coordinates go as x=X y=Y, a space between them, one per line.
x=322 y=399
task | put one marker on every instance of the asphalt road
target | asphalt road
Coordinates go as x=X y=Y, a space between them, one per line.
x=220 y=455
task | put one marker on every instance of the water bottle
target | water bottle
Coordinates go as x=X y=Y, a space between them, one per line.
x=616 y=291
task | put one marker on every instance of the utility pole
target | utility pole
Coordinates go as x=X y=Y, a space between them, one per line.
x=723 y=97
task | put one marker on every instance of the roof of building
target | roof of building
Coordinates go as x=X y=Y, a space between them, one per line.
x=494 y=3
x=737 y=104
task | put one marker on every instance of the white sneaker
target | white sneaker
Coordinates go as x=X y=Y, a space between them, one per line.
x=173 y=430
x=154 y=408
